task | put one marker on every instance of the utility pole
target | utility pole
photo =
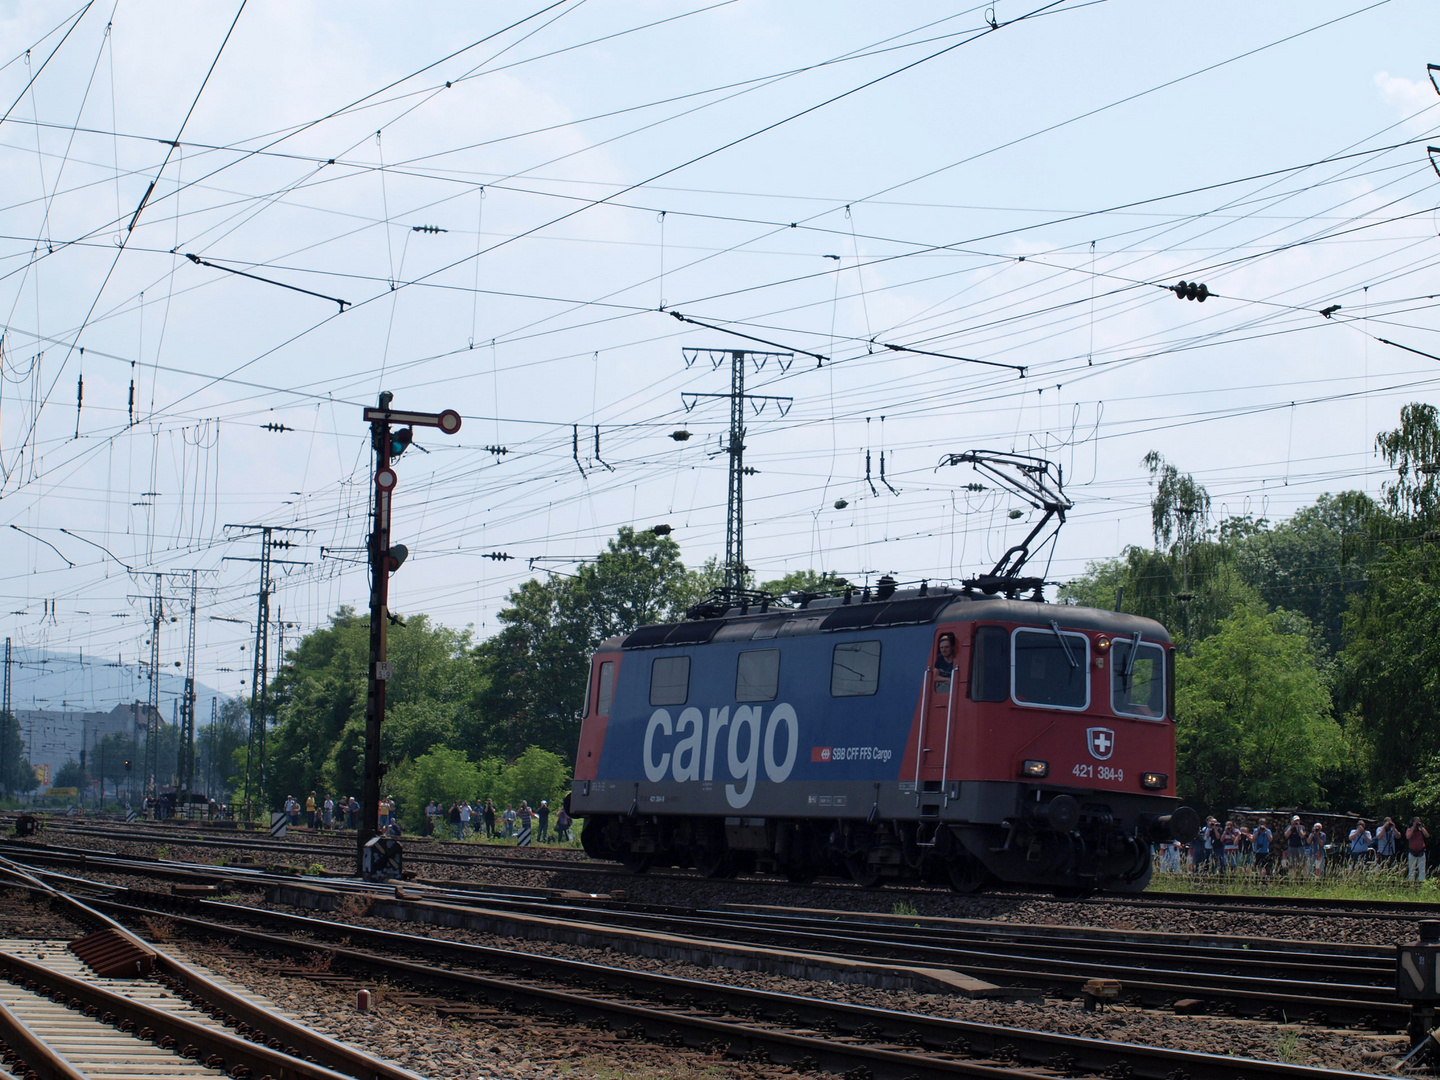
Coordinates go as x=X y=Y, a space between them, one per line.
x=187 y=731
x=210 y=757
x=6 y=719
x=152 y=718
x=385 y=559
x=255 y=744
x=735 y=568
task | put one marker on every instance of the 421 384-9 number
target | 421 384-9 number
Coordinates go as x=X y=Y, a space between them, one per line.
x=1100 y=772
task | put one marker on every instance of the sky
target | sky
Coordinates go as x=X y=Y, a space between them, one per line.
x=226 y=228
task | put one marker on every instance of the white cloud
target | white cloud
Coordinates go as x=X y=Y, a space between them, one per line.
x=1410 y=97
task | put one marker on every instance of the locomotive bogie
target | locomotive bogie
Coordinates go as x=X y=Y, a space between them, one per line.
x=1034 y=746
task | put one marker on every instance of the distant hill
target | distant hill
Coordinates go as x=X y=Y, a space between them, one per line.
x=60 y=681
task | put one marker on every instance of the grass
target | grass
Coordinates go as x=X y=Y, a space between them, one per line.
x=904 y=907
x=1341 y=880
x=1287 y=1048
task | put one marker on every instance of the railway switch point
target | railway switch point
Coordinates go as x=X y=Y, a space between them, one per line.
x=1098 y=991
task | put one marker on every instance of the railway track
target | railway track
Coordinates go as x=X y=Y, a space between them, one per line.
x=132 y=1011
x=421 y=851
x=1331 y=984
x=742 y=1022
x=806 y=1032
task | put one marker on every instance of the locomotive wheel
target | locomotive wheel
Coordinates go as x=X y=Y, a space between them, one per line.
x=862 y=873
x=637 y=862
x=967 y=874
x=713 y=864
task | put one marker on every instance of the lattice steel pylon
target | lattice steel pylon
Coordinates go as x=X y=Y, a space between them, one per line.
x=152 y=706
x=187 y=729
x=259 y=705
x=735 y=568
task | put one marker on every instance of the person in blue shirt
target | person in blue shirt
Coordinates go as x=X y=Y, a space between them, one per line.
x=1360 y=840
x=1261 y=839
x=1387 y=841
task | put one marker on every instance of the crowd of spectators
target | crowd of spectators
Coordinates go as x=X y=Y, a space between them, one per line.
x=1297 y=849
x=461 y=820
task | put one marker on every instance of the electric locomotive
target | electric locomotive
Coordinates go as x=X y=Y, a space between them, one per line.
x=957 y=735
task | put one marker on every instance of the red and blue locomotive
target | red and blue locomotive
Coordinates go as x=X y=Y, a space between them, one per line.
x=951 y=735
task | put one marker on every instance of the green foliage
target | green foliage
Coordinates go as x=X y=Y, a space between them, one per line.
x=534 y=669
x=1389 y=673
x=1179 y=507
x=71 y=774
x=216 y=746
x=806 y=581
x=108 y=757
x=1314 y=563
x=1154 y=585
x=443 y=775
x=1413 y=451
x=448 y=776
x=16 y=775
x=320 y=693
x=537 y=774
x=1254 y=725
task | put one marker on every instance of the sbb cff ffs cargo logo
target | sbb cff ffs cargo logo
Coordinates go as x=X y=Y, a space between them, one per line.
x=1101 y=741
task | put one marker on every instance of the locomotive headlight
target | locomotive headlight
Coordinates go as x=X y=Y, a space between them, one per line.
x=1155 y=781
x=1035 y=769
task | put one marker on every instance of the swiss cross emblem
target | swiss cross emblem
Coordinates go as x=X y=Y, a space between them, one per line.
x=1101 y=741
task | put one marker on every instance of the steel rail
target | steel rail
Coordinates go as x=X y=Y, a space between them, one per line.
x=1290 y=989
x=1248 y=903
x=336 y=1058
x=925 y=1036
x=25 y=1052
x=214 y=1046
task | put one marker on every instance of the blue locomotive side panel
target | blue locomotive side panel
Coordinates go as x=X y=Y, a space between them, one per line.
x=730 y=727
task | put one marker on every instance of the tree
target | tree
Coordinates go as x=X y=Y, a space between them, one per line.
x=16 y=775
x=534 y=669
x=446 y=776
x=1413 y=451
x=320 y=695
x=107 y=761
x=1179 y=508
x=1254 y=723
x=1389 y=673
x=1153 y=584
x=216 y=745
x=1314 y=563
x=71 y=774
x=806 y=581
x=537 y=774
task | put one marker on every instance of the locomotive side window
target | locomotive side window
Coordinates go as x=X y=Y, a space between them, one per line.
x=606 y=693
x=990 y=665
x=757 y=675
x=1137 y=678
x=1051 y=668
x=669 y=680
x=855 y=669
